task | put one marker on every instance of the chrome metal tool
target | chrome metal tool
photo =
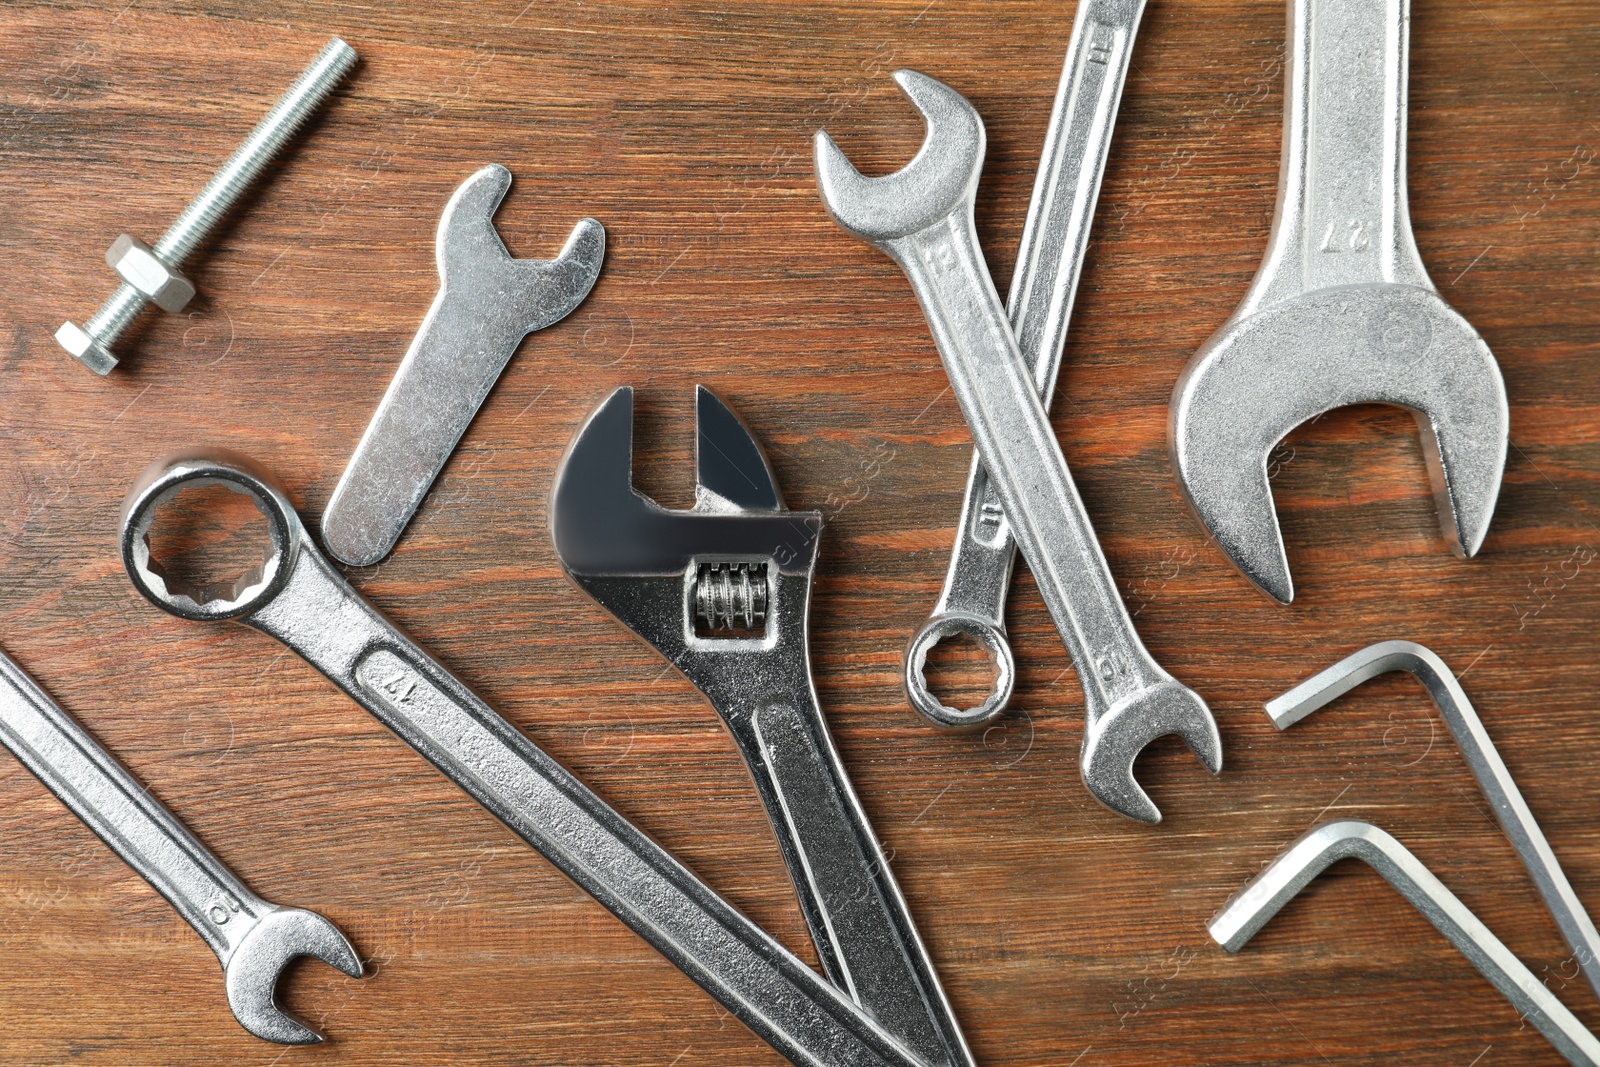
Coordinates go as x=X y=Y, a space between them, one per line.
x=1341 y=310
x=1054 y=238
x=487 y=303
x=1520 y=827
x=922 y=217
x=254 y=940
x=298 y=597
x=723 y=592
x=1314 y=851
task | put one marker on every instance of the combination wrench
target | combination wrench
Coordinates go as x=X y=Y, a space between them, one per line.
x=254 y=940
x=487 y=303
x=723 y=591
x=1055 y=235
x=922 y=218
x=1341 y=310
x=298 y=597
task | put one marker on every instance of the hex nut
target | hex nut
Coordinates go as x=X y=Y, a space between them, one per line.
x=85 y=349
x=142 y=269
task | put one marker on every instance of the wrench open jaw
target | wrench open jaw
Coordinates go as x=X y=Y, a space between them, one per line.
x=1341 y=311
x=723 y=591
x=252 y=971
x=922 y=218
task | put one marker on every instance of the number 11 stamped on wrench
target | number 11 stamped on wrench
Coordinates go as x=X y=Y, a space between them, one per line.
x=922 y=218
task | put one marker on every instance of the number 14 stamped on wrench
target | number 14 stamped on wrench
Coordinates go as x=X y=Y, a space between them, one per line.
x=922 y=217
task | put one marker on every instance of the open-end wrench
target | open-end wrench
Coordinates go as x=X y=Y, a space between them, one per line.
x=1483 y=759
x=723 y=591
x=1054 y=237
x=922 y=217
x=298 y=597
x=1341 y=310
x=253 y=939
x=1320 y=847
x=487 y=303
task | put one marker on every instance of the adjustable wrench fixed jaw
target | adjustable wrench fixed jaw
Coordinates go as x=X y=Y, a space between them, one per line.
x=723 y=591
x=922 y=218
x=1341 y=311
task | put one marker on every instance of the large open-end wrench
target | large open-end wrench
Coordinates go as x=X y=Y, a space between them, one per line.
x=1054 y=237
x=922 y=217
x=1341 y=310
x=298 y=597
x=253 y=939
x=724 y=591
x=1483 y=759
x=1314 y=851
x=487 y=303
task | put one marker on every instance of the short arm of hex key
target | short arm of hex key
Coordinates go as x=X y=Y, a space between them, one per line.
x=1482 y=758
x=1317 y=849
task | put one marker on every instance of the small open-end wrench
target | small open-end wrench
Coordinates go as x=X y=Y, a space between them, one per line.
x=1320 y=847
x=487 y=303
x=922 y=218
x=1054 y=237
x=253 y=939
x=723 y=592
x=1483 y=759
x=1341 y=310
x=298 y=597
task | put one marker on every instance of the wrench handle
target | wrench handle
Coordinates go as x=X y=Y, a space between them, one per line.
x=321 y=617
x=1001 y=404
x=112 y=803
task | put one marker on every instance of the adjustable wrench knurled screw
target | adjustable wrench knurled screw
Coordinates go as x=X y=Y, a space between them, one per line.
x=299 y=598
x=922 y=218
x=152 y=274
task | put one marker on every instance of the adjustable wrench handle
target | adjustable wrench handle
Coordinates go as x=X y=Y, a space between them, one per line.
x=319 y=616
x=101 y=792
x=1054 y=238
x=1026 y=467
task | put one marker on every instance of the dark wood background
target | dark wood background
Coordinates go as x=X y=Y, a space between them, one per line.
x=1065 y=935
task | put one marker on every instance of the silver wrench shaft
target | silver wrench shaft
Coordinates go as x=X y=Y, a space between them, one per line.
x=301 y=600
x=1054 y=238
x=151 y=840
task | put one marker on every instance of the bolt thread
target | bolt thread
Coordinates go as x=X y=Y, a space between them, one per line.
x=115 y=315
x=731 y=596
x=265 y=141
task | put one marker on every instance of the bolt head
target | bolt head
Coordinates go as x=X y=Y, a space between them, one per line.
x=141 y=268
x=85 y=349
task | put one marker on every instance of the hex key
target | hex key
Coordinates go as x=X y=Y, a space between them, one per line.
x=1483 y=760
x=1317 y=849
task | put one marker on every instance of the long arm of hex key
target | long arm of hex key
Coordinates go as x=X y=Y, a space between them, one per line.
x=1317 y=849
x=1482 y=758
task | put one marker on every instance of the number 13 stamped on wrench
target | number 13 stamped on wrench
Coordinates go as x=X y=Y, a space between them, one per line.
x=922 y=217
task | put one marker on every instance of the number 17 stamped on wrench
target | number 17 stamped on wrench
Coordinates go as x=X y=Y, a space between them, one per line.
x=922 y=217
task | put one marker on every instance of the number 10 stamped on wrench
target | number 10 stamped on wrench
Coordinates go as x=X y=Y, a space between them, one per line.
x=922 y=217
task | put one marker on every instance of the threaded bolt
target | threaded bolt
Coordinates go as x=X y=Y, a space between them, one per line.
x=91 y=344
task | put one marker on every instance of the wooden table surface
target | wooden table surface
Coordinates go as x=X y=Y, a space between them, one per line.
x=1064 y=934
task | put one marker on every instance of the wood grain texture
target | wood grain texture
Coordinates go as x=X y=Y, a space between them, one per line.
x=1065 y=935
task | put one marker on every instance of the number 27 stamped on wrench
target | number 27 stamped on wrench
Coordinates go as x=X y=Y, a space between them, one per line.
x=922 y=218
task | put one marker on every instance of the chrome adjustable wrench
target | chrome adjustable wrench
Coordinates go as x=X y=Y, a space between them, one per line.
x=487 y=303
x=1054 y=238
x=723 y=591
x=298 y=597
x=254 y=940
x=922 y=218
x=1341 y=310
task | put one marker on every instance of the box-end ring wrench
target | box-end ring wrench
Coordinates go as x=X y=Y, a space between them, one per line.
x=1054 y=238
x=1314 y=851
x=254 y=940
x=922 y=218
x=486 y=304
x=723 y=591
x=1341 y=310
x=298 y=597
x=1483 y=759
